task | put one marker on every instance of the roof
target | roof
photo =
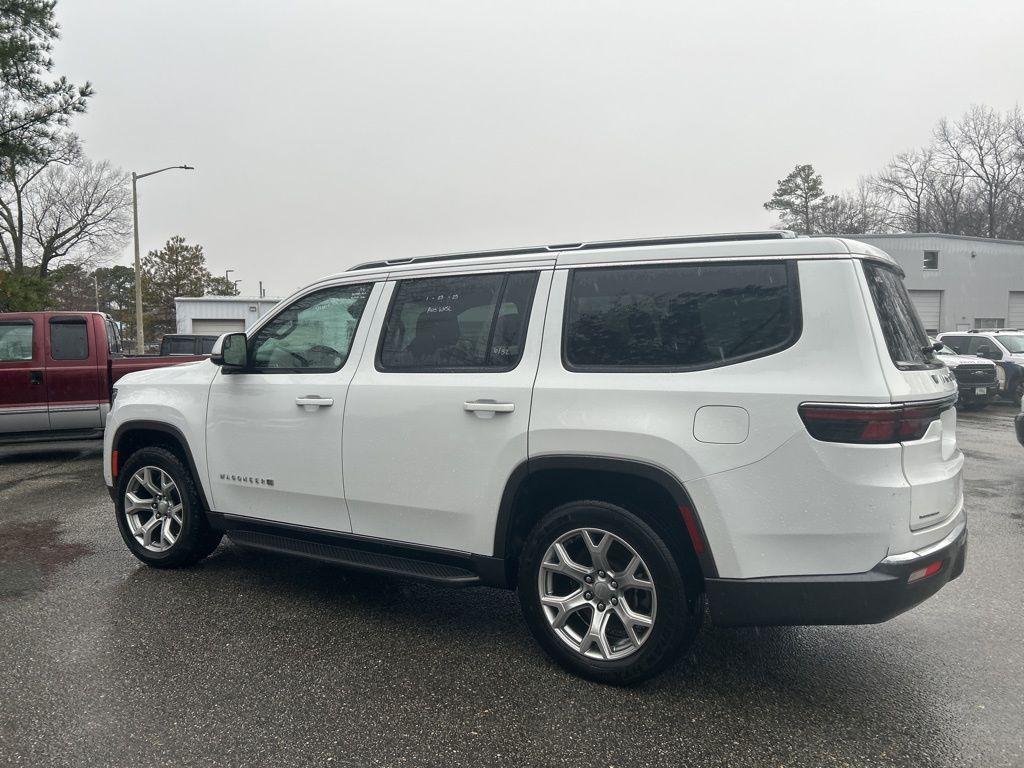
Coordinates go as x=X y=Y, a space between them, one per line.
x=248 y=299
x=773 y=244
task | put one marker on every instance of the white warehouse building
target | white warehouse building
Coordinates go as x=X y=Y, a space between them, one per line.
x=214 y=315
x=957 y=282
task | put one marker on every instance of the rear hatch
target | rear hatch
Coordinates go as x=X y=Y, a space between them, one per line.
x=933 y=463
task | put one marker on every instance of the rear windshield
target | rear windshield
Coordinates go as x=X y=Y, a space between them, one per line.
x=901 y=327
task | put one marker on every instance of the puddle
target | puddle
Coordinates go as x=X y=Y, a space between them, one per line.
x=30 y=553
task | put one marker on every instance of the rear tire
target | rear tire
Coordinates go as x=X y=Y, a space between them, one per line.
x=568 y=615
x=158 y=510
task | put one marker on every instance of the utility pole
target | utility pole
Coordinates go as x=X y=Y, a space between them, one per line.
x=140 y=340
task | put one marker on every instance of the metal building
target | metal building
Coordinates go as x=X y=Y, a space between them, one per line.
x=215 y=315
x=959 y=282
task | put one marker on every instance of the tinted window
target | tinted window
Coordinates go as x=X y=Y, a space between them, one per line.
x=457 y=322
x=69 y=339
x=314 y=333
x=957 y=343
x=113 y=338
x=15 y=341
x=904 y=335
x=179 y=346
x=679 y=316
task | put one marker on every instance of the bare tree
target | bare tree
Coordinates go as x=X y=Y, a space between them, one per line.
x=983 y=142
x=79 y=214
x=18 y=173
x=907 y=179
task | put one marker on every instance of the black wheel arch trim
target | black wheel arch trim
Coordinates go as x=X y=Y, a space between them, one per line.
x=663 y=478
x=175 y=433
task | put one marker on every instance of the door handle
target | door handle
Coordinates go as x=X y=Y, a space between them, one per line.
x=312 y=402
x=488 y=406
x=35 y=377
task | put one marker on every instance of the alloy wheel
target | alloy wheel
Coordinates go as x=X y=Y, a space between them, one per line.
x=153 y=509
x=597 y=594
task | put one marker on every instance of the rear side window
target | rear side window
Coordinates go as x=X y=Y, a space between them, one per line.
x=904 y=335
x=457 y=323
x=69 y=338
x=15 y=341
x=679 y=316
x=179 y=346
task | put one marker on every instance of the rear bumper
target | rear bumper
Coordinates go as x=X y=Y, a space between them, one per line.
x=857 y=598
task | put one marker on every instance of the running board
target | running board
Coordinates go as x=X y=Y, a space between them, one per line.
x=365 y=553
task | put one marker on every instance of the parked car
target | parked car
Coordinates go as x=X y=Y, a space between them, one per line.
x=57 y=370
x=1004 y=347
x=187 y=344
x=977 y=379
x=625 y=432
x=1018 y=422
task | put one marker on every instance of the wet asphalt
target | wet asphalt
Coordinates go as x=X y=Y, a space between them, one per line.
x=252 y=659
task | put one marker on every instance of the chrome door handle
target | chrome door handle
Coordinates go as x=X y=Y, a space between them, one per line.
x=312 y=402
x=488 y=406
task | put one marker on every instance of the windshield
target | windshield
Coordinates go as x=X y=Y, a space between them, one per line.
x=1013 y=344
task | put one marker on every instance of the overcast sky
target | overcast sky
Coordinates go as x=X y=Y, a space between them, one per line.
x=329 y=133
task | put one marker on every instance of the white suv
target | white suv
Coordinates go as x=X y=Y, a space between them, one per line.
x=626 y=432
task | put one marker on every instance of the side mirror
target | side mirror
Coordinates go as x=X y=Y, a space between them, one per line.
x=231 y=352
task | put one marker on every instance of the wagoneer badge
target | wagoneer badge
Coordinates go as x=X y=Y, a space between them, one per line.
x=247 y=479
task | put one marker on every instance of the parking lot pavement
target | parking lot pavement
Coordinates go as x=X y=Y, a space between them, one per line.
x=251 y=659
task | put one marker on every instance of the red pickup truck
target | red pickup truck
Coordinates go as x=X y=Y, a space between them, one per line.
x=56 y=373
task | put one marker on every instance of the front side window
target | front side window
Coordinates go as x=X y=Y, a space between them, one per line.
x=679 y=316
x=457 y=322
x=69 y=338
x=959 y=344
x=16 y=340
x=313 y=334
x=901 y=328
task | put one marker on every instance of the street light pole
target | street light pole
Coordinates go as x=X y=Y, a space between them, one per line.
x=140 y=339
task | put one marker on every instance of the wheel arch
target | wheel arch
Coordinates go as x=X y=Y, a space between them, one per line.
x=539 y=484
x=133 y=435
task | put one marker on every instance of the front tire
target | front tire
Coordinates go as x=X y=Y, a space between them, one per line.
x=159 y=513
x=603 y=594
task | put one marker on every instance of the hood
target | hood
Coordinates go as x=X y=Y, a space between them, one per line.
x=197 y=372
x=953 y=361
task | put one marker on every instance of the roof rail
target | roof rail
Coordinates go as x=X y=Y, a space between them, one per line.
x=772 y=234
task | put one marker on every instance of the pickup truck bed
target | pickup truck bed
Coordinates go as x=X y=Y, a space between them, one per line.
x=56 y=373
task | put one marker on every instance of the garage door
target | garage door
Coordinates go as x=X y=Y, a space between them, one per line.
x=217 y=327
x=1015 y=315
x=929 y=308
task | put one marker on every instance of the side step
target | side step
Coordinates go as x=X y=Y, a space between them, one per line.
x=357 y=558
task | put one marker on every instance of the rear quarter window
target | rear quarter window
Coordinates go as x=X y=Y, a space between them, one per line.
x=679 y=316
x=904 y=335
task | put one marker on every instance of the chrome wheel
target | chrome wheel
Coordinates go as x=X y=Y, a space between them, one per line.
x=153 y=509
x=597 y=594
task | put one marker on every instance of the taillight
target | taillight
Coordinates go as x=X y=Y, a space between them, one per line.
x=870 y=424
